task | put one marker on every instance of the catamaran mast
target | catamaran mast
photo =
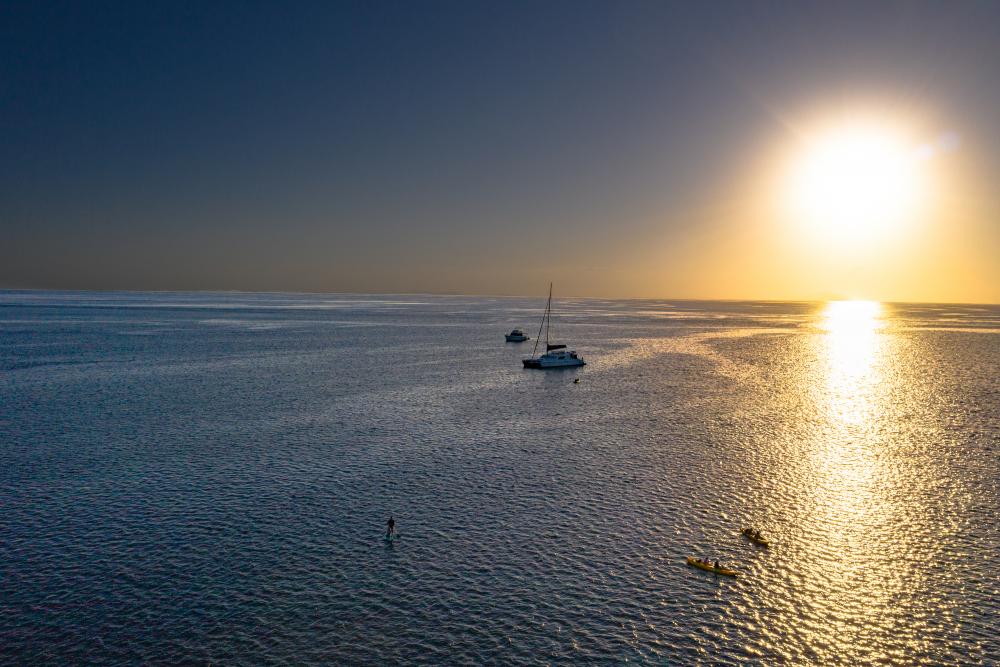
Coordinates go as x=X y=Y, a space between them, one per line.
x=548 y=318
x=544 y=325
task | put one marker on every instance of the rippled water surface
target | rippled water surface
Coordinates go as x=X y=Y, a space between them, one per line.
x=206 y=477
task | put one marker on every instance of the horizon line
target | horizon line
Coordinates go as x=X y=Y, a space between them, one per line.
x=491 y=296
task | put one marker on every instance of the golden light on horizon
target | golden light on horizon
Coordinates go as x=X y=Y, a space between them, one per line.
x=852 y=329
x=866 y=201
x=855 y=185
x=850 y=318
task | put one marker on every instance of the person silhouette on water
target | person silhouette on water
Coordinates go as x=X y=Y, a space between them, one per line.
x=390 y=528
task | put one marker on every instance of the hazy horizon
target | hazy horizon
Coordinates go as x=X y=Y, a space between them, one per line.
x=542 y=296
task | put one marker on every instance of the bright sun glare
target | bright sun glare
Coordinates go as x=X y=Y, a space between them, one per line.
x=852 y=329
x=855 y=185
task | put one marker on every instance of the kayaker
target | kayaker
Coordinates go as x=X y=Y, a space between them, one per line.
x=717 y=566
x=390 y=527
x=756 y=535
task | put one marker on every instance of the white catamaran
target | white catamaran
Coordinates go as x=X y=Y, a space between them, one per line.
x=556 y=356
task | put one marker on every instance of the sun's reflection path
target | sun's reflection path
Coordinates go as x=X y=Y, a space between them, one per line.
x=853 y=347
x=848 y=385
x=852 y=330
x=860 y=477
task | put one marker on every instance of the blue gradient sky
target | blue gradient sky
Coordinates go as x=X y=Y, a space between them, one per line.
x=454 y=147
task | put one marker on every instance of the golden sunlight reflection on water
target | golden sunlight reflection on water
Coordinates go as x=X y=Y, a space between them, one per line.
x=854 y=349
x=853 y=476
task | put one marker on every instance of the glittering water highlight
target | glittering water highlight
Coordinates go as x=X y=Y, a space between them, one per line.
x=206 y=477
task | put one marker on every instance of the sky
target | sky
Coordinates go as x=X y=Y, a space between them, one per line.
x=619 y=149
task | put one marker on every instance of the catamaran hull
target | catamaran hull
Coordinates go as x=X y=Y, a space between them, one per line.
x=538 y=363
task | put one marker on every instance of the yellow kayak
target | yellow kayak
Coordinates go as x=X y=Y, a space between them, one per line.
x=747 y=533
x=708 y=567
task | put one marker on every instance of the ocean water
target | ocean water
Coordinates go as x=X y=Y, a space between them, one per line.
x=205 y=478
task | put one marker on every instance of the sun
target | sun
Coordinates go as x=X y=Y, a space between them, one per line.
x=854 y=184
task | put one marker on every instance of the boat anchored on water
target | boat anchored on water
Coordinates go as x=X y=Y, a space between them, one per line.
x=516 y=336
x=556 y=356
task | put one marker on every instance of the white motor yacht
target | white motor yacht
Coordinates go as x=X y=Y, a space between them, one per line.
x=516 y=336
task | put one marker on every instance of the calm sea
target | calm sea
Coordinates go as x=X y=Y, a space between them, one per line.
x=205 y=478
